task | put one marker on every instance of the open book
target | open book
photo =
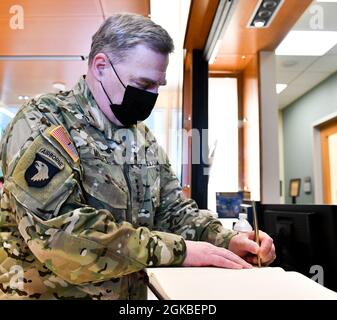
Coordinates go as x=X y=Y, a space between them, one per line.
x=226 y=284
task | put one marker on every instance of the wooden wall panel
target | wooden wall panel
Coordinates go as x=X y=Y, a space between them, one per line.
x=187 y=126
x=325 y=131
x=50 y=27
x=199 y=23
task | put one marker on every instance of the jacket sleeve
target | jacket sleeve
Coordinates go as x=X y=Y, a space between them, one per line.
x=182 y=216
x=78 y=243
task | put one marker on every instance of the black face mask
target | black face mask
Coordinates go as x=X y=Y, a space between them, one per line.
x=137 y=104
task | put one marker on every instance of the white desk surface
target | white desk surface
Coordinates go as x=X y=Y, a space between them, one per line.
x=246 y=284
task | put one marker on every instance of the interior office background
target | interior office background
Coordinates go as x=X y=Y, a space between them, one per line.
x=45 y=46
x=308 y=99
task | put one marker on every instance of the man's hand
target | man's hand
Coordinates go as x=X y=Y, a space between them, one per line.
x=243 y=245
x=203 y=254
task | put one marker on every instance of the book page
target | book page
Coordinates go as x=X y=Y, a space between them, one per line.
x=230 y=284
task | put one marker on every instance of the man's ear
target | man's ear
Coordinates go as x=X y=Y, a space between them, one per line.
x=99 y=66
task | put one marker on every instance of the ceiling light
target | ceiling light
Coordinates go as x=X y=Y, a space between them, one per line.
x=59 y=86
x=307 y=43
x=23 y=97
x=259 y=23
x=269 y=4
x=264 y=13
x=280 y=87
x=326 y=0
x=289 y=63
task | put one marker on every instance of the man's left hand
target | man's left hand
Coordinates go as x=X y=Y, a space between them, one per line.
x=243 y=245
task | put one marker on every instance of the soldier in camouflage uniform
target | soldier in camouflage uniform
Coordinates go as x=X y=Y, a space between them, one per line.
x=89 y=201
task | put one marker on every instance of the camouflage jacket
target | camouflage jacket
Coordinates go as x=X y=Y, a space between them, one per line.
x=87 y=205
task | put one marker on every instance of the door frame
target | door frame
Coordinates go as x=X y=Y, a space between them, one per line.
x=317 y=156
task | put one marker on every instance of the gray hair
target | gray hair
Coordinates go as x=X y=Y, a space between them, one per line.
x=121 y=32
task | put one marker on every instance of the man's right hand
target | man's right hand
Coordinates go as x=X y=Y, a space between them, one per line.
x=204 y=254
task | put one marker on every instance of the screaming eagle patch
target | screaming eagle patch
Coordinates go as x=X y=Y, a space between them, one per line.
x=44 y=167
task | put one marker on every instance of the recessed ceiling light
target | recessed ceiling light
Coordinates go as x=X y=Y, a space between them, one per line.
x=264 y=13
x=289 y=63
x=307 y=43
x=280 y=87
x=269 y=4
x=23 y=97
x=259 y=23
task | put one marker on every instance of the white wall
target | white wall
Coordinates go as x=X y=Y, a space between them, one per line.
x=269 y=129
x=223 y=131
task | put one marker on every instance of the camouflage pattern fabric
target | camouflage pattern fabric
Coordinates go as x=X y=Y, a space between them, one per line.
x=87 y=205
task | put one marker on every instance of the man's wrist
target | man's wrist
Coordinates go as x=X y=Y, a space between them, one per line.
x=173 y=249
x=229 y=238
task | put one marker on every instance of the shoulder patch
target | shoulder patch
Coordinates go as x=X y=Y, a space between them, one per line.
x=51 y=157
x=62 y=137
x=44 y=167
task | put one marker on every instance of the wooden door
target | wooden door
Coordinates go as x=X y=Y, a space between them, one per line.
x=328 y=134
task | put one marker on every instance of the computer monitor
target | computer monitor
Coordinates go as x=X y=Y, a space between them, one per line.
x=304 y=236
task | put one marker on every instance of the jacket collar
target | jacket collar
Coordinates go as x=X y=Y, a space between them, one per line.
x=91 y=110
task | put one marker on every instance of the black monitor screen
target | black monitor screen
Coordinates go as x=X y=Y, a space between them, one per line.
x=293 y=234
x=304 y=236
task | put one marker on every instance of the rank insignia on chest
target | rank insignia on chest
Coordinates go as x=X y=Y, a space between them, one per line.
x=44 y=167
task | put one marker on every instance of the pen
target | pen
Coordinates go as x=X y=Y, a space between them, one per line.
x=256 y=231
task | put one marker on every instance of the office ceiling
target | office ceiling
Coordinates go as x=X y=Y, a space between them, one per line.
x=240 y=44
x=62 y=27
x=302 y=73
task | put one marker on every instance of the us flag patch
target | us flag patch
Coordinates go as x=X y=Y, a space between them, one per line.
x=61 y=136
